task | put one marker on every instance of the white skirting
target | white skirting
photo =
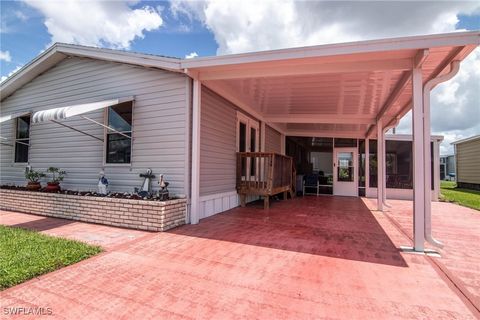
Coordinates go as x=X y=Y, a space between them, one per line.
x=220 y=202
x=216 y=203
x=397 y=194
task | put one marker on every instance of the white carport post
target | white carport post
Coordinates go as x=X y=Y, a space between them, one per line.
x=263 y=129
x=418 y=162
x=196 y=117
x=380 y=167
x=384 y=169
x=367 y=166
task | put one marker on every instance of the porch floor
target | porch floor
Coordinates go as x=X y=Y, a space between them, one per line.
x=313 y=257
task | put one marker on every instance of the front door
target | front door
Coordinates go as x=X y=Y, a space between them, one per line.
x=345 y=173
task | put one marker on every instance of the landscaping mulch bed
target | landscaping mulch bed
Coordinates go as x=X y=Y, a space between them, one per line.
x=118 y=195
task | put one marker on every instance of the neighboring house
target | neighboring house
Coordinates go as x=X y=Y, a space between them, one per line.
x=467 y=154
x=447 y=167
x=86 y=109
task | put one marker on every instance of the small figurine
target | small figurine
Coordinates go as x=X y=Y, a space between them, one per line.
x=102 y=184
x=145 y=189
x=162 y=194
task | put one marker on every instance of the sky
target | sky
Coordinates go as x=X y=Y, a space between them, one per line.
x=188 y=29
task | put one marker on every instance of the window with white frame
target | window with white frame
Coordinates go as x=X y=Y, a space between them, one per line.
x=119 y=143
x=22 y=139
x=247 y=140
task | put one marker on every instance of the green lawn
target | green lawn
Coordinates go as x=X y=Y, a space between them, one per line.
x=26 y=254
x=464 y=197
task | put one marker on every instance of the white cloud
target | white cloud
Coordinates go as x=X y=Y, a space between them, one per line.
x=20 y=15
x=97 y=23
x=455 y=105
x=191 y=55
x=3 y=78
x=251 y=25
x=5 y=56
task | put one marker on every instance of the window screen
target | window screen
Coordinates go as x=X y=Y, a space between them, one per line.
x=22 y=139
x=119 y=146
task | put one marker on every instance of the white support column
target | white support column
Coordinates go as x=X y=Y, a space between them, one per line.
x=418 y=162
x=367 y=166
x=380 y=161
x=196 y=118
x=384 y=169
x=427 y=155
x=263 y=131
x=282 y=143
x=436 y=170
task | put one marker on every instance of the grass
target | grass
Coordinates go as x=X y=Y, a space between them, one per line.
x=26 y=254
x=464 y=197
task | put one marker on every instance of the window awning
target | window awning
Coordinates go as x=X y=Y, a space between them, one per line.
x=13 y=116
x=75 y=110
x=56 y=114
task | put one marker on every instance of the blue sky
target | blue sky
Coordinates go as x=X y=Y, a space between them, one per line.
x=179 y=28
x=26 y=36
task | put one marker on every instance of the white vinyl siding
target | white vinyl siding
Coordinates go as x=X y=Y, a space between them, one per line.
x=273 y=140
x=217 y=145
x=159 y=124
x=468 y=161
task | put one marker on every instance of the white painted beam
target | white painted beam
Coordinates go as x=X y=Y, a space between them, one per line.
x=196 y=122
x=325 y=134
x=306 y=69
x=420 y=58
x=318 y=118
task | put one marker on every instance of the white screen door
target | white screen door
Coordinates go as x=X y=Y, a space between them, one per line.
x=345 y=172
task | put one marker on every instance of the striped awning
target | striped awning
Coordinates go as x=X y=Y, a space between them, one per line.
x=75 y=110
x=13 y=116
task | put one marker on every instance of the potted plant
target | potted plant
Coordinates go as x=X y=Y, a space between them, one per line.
x=57 y=175
x=33 y=178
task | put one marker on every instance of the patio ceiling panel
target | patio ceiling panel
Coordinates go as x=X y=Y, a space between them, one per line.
x=333 y=84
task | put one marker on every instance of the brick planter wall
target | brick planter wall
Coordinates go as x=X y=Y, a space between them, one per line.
x=135 y=214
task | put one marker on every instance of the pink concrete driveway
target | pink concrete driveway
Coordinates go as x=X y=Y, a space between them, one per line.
x=104 y=236
x=459 y=229
x=310 y=258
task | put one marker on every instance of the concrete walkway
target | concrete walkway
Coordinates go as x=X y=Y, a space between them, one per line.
x=324 y=257
x=104 y=236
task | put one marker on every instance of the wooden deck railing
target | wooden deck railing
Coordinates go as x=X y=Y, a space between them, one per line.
x=263 y=174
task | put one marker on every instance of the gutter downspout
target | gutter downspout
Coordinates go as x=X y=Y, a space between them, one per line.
x=454 y=67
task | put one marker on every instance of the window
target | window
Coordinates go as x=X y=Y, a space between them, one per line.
x=119 y=144
x=247 y=141
x=22 y=139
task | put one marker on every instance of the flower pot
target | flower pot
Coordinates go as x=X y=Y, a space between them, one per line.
x=34 y=186
x=52 y=187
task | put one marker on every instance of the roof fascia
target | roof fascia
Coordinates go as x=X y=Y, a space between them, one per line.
x=466 y=139
x=403 y=43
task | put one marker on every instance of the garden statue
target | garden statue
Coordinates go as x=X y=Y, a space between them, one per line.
x=145 y=189
x=163 y=192
x=102 y=184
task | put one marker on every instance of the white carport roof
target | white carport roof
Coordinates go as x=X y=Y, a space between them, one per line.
x=338 y=90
